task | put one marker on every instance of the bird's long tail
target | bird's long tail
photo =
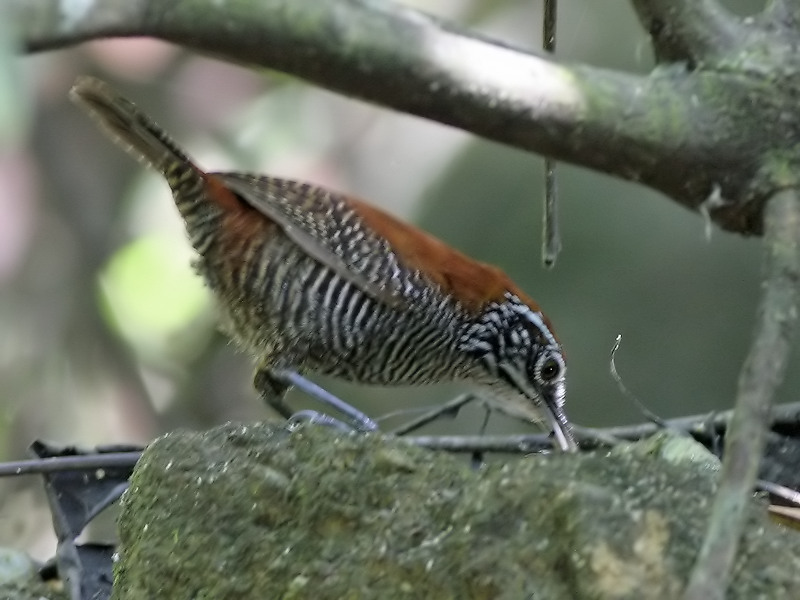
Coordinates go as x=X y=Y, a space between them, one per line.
x=133 y=130
x=140 y=137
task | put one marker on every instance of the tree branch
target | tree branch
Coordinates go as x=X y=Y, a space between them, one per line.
x=785 y=13
x=386 y=54
x=761 y=374
x=690 y=135
x=689 y=30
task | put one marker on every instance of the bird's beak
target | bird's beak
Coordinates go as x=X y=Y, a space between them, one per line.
x=557 y=420
x=549 y=403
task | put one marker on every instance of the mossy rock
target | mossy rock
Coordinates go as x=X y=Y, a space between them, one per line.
x=258 y=511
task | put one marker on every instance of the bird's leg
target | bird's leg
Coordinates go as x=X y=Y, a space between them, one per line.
x=273 y=384
x=272 y=391
x=477 y=456
x=448 y=409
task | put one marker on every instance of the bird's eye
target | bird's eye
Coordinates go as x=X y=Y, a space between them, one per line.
x=550 y=368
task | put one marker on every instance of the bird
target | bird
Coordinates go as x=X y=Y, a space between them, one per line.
x=313 y=281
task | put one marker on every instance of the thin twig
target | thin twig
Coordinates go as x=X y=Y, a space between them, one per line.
x=551 y=236
x=88 y=462
x=649 y=414
x=780 y=491
x=448 y=408
x=590 y=438
x=761 y=374
x=513 y=444
x=784 y=414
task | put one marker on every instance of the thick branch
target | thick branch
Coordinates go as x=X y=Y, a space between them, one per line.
x=690 y=135
x=762 y=372
x=689 y=30
x=396 y=57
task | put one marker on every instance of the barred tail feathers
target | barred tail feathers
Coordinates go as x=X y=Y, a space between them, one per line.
x=131 y=129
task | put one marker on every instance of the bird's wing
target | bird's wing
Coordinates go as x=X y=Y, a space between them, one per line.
x=328 y=227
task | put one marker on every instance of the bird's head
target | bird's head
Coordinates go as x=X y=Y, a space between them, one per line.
x=522 y=365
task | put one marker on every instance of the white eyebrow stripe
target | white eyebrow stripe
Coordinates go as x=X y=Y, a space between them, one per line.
x=532 y=316
x=538 y=321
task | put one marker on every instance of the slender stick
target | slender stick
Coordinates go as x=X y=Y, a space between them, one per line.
x=88 y=462
x=761 y=374
x=551 y=236
x=590 y=438
x=448 y=408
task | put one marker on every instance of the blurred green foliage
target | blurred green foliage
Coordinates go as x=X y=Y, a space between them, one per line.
x=150 y=295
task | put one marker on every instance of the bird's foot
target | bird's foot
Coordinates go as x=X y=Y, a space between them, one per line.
x=273 y=385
